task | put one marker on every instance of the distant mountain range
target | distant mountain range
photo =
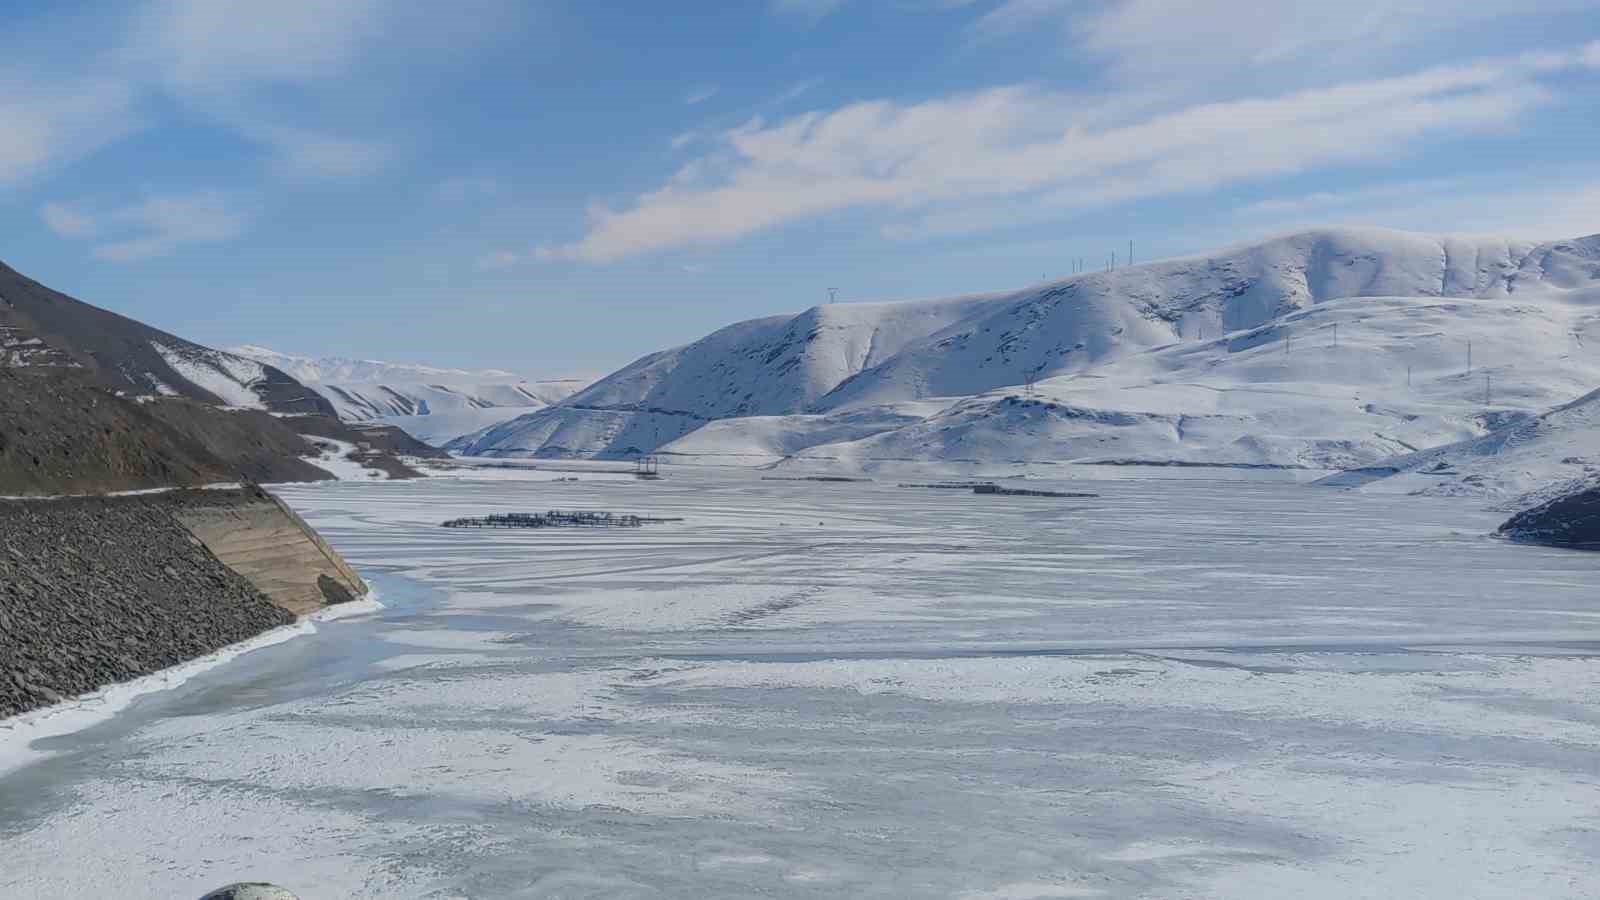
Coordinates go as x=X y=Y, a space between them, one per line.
x=435 y=404
x=1329 y=348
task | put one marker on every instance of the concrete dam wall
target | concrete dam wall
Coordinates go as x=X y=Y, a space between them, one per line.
x=96 y=590
x=275 y=550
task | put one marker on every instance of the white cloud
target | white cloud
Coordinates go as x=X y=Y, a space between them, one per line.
x=1205 y=40
x=154 y=226
x=47 y=125
x=809 y=10
x=500 y=259
x=305 y=154
x=793 y=91
x=701 y=94
x=467 y=189
x=1562 y=205
x=1005 y=142
x=264 y=69
x=1210 y=37
x=66 y=222
x=209 y=46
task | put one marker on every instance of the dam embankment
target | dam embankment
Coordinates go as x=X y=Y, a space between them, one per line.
x=97 y=590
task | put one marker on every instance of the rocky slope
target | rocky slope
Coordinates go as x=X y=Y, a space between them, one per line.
x=99 y=590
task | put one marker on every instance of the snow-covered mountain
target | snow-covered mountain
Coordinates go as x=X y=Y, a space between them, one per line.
x=411 y=396
x=1322 y=349
x=1533 y=458
x=308 y=369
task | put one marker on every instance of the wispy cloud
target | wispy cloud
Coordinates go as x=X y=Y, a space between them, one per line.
x=208 y=46
x=976 y=148
x=305 y=154
x=66 y=222
x=1562 y=204
x=154 y=226
x=1211 y=38
x=44 y=125
x=467 y=189
x=806 y=10
x=701 y=94
x=793 y=91
x=500 y=259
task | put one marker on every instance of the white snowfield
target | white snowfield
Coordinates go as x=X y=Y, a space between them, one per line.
x=409 y=396
x=228 y=376
x=1325 y=349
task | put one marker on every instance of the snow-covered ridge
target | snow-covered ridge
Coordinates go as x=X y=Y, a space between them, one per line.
x=404 y=394
x=1537 y=457
x=1174 y=361
x=312 y=370
x=233 y=379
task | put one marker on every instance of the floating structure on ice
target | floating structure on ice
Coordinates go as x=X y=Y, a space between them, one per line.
x=835 y=479
x=556 y=518
x=1021 y=492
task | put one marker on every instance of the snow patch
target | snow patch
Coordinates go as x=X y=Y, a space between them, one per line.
x=231 y=378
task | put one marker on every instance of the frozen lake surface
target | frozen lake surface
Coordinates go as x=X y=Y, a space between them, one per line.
x=1183 y=688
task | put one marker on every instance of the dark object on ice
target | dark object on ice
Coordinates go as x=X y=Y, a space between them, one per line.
x=1570 y=521
x=950 y=485
x=841 y=479
x=647 y=468
x=1020 y=492
x=556 y=518
x=254 y=890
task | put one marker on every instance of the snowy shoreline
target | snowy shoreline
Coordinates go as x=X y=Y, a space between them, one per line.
x=18 y=733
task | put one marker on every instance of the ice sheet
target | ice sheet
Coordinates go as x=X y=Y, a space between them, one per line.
x=1182 y=688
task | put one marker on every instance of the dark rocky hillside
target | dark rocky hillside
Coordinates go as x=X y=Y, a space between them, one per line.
x=60 y=433
x=91 y=401
x=44 y=327
x=1570 y=521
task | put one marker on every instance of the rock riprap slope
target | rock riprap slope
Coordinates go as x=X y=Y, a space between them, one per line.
x=96 y=590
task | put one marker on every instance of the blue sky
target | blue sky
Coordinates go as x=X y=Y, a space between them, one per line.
x=555 y=187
